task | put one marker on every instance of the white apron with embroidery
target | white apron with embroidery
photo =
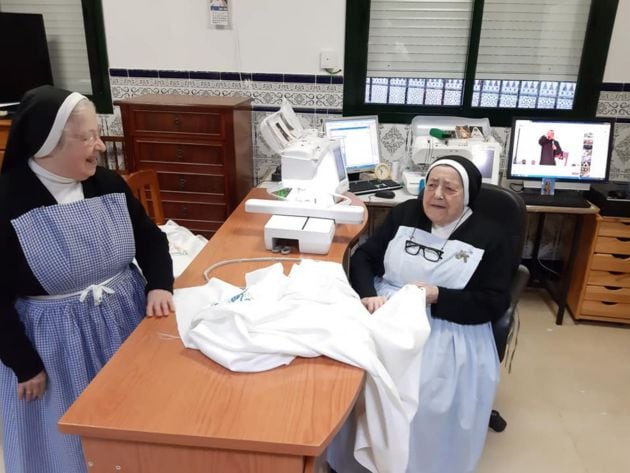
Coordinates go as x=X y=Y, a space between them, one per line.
x=460 y=367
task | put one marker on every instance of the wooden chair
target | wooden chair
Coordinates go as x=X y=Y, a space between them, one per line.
x=114 y=157
x=145 y=186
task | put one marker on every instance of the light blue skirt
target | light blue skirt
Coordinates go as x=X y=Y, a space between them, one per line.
x=460 y=373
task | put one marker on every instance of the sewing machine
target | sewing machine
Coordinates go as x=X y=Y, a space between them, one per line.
x=435 y=137
x=309 y=200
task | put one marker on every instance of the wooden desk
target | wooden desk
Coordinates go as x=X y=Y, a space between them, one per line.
x=159 y=407
x=560 y=296
x=5 y=125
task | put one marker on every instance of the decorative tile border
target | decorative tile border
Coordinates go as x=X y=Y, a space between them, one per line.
x=315 y=97
x=314 y=93
x=614 y=104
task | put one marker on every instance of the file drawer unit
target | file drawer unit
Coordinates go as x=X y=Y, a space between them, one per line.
x=600 y=286
x=201 y=148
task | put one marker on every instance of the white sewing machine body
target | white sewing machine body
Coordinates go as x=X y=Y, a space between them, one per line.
x=478 y=145
x=412 y=180
x=313 y=227
x=313 y=235
x=313 y=178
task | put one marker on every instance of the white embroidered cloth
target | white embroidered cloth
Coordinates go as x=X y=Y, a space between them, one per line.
x=311 y=312
x=183 y=245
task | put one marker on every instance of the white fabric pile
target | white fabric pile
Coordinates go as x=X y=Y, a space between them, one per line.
x=183 y=245
x=311 y=312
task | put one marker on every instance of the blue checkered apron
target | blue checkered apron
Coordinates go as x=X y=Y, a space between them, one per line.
x=70 y=247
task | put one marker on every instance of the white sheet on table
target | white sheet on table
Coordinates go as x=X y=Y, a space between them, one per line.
x=311 y=312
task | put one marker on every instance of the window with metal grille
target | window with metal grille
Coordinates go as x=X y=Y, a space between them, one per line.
x=495 y=58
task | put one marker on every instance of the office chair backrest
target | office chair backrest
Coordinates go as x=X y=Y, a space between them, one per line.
x=144 y=185
x=508 y=209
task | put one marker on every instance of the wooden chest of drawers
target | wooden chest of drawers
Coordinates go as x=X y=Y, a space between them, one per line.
x=201 y=148
x=600 y=285
x=5 y=125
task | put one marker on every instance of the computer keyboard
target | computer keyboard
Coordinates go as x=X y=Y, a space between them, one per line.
x=369 y=187
x=559 y=199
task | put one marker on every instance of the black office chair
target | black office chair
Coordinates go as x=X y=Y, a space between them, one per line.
x=506 y=207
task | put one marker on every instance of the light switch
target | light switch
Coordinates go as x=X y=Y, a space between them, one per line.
x=329 y=59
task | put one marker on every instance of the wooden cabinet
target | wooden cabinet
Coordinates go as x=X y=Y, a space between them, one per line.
x=5 y=125
x=600 y=284
x=201 y=148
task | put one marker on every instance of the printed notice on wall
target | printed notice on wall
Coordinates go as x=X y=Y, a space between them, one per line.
x=218 y=14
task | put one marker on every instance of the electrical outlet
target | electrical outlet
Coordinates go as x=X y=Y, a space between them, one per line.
x=329 y=59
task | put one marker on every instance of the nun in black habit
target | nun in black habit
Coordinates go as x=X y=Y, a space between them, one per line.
x=69 y=293
x=462 y=260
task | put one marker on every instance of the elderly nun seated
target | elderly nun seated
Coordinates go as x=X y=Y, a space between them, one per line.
x=462 y=260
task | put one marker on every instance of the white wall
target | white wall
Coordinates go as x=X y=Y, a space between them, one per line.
x=280 y=36
x=618 y=63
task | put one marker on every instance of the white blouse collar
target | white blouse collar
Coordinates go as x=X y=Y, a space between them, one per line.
x=49 y=176
x=445 y=231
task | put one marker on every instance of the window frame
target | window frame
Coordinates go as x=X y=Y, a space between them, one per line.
x=94 y=26
x=590 y=75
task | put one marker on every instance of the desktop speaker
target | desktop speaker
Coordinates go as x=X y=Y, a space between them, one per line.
x=612 y=198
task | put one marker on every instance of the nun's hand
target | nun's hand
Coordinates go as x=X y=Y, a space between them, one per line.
x=160 y=303
x=33 y=388
x=432 y=292
x=373 y=303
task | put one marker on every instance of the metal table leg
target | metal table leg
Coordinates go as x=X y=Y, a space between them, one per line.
x=566 y=276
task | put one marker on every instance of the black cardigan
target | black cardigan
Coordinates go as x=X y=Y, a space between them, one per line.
x=20 y=191
x=485 y=297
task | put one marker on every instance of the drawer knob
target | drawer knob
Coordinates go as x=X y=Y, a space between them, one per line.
x=184 y=211
x=177 y=122
x=179 y=152
x=182 y=183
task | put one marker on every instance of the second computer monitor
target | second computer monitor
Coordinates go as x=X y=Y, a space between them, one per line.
x=576 y=152
x=358 y=138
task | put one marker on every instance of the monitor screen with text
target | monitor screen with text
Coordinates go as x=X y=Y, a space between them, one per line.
x=358 y=138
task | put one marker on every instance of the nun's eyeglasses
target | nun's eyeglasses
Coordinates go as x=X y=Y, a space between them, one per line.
x=89 y=139
x=430 y=254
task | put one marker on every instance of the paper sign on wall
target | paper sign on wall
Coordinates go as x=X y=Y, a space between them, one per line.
x=218 y=14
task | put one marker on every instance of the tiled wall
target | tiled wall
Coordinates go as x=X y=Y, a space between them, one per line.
x=316 y=97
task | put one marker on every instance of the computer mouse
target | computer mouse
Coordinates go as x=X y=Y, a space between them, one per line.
x=385 y=194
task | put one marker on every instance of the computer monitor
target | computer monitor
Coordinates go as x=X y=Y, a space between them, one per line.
x=358 y=138
x=575 y=153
